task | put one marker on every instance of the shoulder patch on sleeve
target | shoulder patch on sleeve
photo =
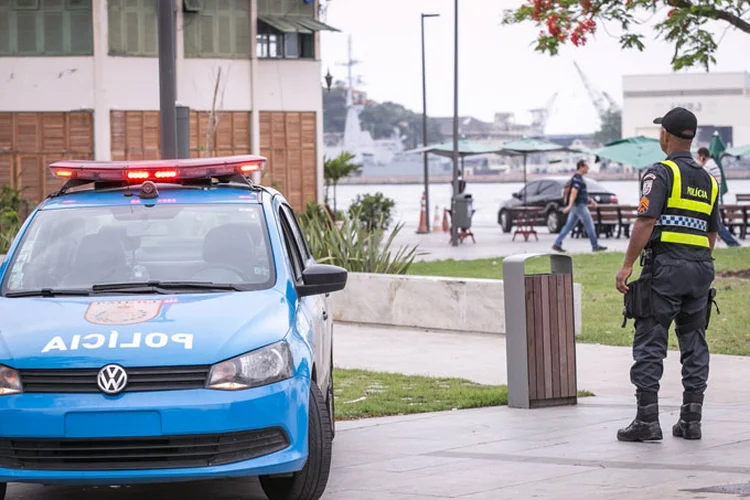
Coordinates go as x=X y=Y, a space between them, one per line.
x=647 y=186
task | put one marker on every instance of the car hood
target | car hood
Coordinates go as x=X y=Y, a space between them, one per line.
x=141 y=331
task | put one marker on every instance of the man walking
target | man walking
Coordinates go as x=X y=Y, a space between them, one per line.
x=705 y=160
x=577 y=209
x=676 y=228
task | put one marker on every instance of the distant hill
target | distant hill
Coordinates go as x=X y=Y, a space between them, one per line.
x=380 y=119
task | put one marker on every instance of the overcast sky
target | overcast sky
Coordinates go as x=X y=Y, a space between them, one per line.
x=498 y=67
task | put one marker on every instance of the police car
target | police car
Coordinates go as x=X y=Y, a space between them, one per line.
x=165 y=321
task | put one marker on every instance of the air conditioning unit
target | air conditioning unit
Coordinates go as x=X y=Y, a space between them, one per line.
x=192 y=5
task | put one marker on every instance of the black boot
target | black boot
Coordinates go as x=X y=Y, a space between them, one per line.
x=646 y=426
x=689 y=425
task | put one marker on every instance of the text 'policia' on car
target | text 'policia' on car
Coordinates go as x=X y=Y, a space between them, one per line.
x=165 y=321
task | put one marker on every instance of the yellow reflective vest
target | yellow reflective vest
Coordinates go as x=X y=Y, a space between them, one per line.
x=689 y=205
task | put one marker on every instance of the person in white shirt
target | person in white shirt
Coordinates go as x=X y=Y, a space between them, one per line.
x=704 y=159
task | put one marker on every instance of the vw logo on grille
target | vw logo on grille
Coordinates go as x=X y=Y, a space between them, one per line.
x=112 y=379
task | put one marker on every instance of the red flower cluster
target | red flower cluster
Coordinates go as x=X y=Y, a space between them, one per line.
x=559 y=22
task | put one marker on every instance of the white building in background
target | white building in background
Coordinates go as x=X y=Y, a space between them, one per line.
x=80 y=79
x=721 y=102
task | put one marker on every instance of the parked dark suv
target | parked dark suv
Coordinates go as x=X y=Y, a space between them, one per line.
x=548 y=194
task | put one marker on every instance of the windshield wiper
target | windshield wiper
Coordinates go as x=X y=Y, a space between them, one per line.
x=162 y=286
x=50 y=292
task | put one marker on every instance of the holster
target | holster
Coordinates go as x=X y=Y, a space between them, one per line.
x=711 y=301
x=637 y=302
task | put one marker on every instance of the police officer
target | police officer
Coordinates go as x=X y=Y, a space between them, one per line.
x=674 y=233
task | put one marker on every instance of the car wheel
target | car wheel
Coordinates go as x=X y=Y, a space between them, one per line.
x=3 y=489
x=310 y=482
x=505 y=222
x=553 y=221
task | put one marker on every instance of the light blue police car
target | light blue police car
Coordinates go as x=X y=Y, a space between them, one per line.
x=165 y=321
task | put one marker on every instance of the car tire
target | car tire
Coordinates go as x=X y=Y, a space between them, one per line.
x=310 y=482
x=553 y=221
x=3 y=489
x=505 y=223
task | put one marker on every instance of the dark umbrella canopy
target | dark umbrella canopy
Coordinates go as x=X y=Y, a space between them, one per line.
x=739 y=151
x=639 y=152
x=715 y=149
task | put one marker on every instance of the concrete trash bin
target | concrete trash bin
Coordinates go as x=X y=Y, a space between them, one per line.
x=464 y=210
x=540 y=333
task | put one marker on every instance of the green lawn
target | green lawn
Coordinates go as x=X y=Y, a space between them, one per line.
x=364 y=394
x=729 y=332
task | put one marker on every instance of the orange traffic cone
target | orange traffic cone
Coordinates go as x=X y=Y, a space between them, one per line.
x=423 y=217
x=436 y=221
x=446 y=224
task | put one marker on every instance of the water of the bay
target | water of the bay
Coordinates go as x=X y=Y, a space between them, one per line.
x=487 y=197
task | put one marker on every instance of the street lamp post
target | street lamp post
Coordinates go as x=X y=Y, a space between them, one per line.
x=424 y=128
x=454 y=229
x=167 y=80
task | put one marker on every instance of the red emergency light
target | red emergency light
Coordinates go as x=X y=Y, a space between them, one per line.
x=157 y=170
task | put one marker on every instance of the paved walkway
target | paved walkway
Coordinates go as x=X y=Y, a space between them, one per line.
x=505 y=453
x=603 y=370
x=492 y=242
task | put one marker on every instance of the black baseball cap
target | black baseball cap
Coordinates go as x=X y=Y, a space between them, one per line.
x=679 y=122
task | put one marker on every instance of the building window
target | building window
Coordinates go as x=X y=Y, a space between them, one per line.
x=133 y=28
x=220 y=30
x=275 y=44
x=46 y=28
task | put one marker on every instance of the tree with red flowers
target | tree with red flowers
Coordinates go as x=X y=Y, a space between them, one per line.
x=684 y=23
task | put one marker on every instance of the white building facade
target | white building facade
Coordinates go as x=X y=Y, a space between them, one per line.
x=80 y=79
x=720 y=101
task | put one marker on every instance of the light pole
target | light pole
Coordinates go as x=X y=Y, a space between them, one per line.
x=454 y=229
x=424 y=128
x=167 y=80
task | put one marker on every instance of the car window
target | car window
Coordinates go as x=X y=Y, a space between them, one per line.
x=81 y=247
x=530 y=189
x=299 y=237
x=550 y=188
x=292 y=247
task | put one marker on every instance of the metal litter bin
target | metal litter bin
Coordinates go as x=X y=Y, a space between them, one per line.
x=540 y=333
x=464 y=204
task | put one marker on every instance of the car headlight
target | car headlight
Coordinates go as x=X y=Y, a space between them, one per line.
x=270 y=364
x=10 y=381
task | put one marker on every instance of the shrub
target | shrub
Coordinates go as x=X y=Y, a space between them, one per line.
x=13 y=210
x=353 y=247
x=373 y=211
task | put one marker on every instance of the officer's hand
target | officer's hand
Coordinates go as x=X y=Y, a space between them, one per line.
x=622 y=279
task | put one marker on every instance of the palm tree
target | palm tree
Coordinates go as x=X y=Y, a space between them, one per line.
x=336 y=169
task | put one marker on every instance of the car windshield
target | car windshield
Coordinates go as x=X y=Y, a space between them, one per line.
x=66 y=249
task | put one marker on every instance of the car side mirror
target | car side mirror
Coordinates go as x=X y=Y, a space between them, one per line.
x=517 y=196
x=322 y=278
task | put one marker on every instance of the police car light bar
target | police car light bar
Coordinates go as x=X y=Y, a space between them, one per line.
x=158 y=170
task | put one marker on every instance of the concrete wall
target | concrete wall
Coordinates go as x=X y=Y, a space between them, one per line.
x=471 y=305
x=718 y=99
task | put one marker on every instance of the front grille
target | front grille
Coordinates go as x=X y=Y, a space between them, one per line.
x=140 y=453
x=171 y=378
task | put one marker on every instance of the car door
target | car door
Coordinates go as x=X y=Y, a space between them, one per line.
x=315 y=307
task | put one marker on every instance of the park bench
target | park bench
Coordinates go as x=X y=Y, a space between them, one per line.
x=608 y=219
x=736 y=217
x=743 y=198
x=628 y=214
